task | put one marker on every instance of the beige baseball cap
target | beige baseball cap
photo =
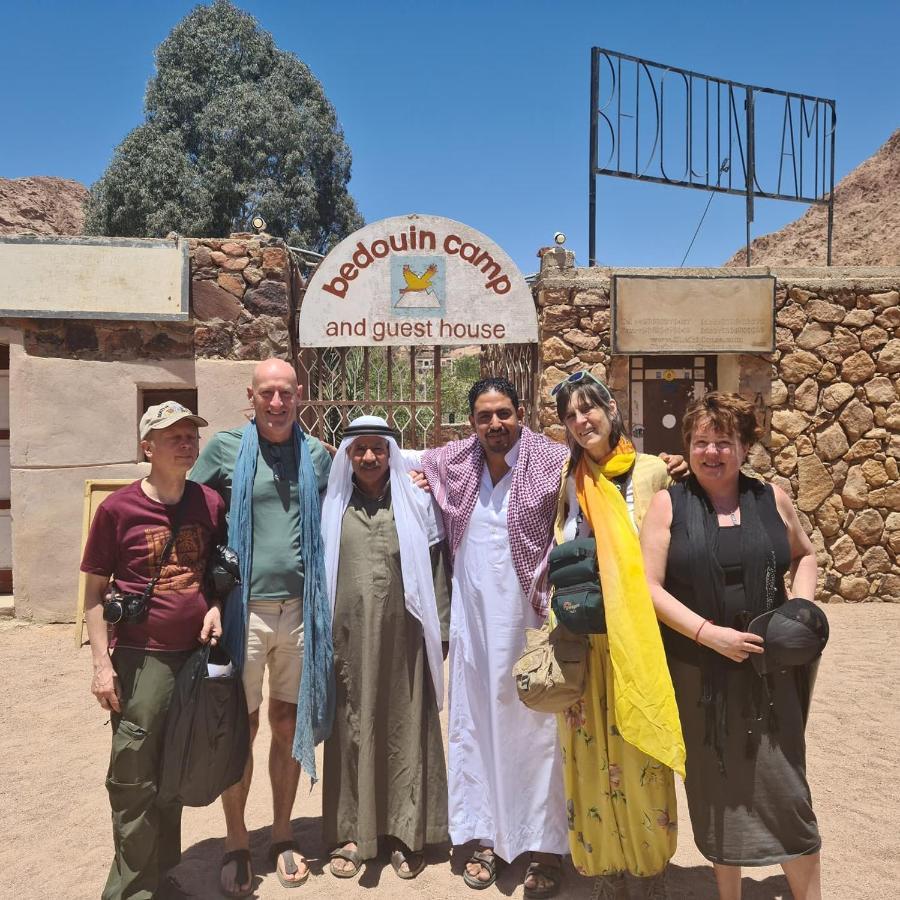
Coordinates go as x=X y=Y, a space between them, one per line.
x=165 y=414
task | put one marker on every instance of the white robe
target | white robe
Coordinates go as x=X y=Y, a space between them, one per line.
x=504 y=765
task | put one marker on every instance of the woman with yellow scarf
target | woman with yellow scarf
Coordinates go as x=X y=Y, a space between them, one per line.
x=622 y=740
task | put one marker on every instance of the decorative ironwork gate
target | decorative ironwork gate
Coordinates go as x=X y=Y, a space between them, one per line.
x=421 y=391
x=518 y=363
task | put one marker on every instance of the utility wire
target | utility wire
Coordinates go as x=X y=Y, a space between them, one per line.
x=723 y=168
x=694 y=238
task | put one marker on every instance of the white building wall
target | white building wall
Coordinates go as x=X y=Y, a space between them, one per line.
x=71 y=420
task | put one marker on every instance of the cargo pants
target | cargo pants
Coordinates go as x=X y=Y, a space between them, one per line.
x=146 y=835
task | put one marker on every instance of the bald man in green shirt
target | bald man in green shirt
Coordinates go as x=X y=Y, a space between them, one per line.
x=275 y=609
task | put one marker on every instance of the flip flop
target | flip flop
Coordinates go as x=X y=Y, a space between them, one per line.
x=415 y=861
x=543 y=870
x=351 y=856
x=243 y=873
x=489 y=861
x=285 y=850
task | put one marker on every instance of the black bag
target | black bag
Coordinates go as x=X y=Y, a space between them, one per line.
x=223 y=571
x=207 y=738
x=577 y=597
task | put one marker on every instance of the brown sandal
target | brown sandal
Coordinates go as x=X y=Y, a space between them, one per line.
x=415 y=861
x=488 y=861
x=551 y=873
x=351 y=856
x=285 y=850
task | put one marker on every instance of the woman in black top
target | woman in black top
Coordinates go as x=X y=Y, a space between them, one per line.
x=716 y=549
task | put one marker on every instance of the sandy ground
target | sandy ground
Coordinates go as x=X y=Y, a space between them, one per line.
x=54 y=819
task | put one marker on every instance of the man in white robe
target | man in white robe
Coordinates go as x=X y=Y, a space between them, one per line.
x=497 y=492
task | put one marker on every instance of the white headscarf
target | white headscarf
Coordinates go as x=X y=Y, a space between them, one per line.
x=418 y=527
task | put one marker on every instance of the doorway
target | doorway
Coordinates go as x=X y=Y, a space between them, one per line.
x=661 y=387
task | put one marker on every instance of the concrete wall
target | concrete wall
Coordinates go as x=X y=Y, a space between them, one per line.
x=828 y=398
x=76 y=419
x=75 y=391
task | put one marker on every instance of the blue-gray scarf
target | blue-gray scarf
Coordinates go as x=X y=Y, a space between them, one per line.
x=315 y=703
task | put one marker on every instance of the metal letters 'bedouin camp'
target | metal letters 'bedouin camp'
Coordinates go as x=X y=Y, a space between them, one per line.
x=658 y=123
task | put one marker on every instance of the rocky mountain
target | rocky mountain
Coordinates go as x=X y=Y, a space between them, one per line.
x=866 y=221
x=41 y=205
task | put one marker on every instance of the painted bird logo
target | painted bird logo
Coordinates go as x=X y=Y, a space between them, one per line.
x=416 y=282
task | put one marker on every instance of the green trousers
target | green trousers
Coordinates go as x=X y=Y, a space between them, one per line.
x=147 y=835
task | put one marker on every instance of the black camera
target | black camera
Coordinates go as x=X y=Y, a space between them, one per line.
x=223 y=571
x=124 y=608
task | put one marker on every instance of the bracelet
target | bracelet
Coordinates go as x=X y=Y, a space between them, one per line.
x=697 y=635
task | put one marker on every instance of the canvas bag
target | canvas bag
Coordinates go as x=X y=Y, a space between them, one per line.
x=550 y=674
x=207 y=737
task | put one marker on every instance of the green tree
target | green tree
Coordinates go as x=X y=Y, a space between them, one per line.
x=234 y=128
x=456 y=380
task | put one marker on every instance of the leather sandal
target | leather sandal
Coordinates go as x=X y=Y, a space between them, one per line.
x=487 y=860
x=243 y=873
x=284 y=851
x=351 y=856
x=402 y=854
x=551 y=873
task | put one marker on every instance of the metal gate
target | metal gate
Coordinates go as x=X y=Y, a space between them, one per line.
x=518 y=363
x=421 y=391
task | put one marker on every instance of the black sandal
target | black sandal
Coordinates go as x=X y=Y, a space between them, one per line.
x=552 y=873
x=243 y=874
x=487 y=860
x=285 y=850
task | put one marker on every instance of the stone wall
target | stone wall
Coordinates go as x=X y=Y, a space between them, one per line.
x=241 y=298
x=830 y=398
x=241 y=306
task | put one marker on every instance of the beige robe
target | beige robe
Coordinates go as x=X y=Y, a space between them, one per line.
x=385 y=773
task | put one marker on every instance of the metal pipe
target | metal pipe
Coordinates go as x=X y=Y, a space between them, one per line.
x=592 y=159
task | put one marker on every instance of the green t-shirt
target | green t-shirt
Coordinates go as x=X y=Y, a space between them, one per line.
x=276 y=569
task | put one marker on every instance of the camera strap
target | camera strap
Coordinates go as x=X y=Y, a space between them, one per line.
x=167 y=549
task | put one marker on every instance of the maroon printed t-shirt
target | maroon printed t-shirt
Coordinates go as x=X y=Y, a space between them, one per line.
x=126 y=540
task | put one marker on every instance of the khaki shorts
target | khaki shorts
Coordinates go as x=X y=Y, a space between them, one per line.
x=274 y=639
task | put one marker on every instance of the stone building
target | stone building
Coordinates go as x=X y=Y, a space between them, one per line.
x=828 y=398
x=74 y=387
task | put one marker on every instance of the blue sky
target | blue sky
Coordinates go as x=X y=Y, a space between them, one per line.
x=473 y=110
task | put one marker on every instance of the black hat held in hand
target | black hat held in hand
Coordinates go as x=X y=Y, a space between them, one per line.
x=795 y=634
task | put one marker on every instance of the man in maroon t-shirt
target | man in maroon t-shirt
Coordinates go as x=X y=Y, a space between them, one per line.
x=129 y=541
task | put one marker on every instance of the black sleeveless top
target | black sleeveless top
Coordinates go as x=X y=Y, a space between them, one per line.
x=679 y=582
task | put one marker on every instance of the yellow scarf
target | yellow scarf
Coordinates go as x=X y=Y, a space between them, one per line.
x=646 y=713
x=619 y=460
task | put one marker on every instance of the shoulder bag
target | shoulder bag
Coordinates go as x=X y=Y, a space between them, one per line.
x=550 y=674
x=577 y=596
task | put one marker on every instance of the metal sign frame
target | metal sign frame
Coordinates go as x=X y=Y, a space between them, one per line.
x=734 y=109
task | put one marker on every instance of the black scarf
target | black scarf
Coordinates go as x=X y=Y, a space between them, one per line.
x=708 y=580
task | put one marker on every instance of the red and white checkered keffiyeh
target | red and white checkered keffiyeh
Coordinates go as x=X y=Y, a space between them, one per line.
x=454 y=474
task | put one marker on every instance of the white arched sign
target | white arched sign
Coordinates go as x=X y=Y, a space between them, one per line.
x=416 y=280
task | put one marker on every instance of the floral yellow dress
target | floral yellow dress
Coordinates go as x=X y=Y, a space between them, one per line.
x=620 y=802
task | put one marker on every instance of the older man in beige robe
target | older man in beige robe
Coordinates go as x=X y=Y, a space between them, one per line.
x=385 y=775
